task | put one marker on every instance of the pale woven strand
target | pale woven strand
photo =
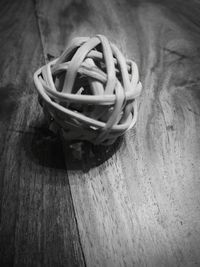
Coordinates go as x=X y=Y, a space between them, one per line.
x=90 y=91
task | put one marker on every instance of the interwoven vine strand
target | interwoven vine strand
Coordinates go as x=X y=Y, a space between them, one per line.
x=90 y=91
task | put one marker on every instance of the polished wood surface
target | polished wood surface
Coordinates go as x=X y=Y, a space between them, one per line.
x=136 y=203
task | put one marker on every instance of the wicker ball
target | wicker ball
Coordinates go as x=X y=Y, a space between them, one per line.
x=90 y=91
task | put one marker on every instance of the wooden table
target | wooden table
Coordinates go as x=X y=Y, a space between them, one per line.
x=137 y=204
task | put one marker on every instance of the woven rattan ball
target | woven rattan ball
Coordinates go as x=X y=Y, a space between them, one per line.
x=90 y=91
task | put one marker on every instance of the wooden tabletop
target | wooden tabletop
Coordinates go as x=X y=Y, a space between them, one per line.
x=136 y=203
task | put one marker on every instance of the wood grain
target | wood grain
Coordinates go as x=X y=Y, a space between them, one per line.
x=37 y=223
x=141 y=206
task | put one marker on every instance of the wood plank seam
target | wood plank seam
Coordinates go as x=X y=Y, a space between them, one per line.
x=45 y=59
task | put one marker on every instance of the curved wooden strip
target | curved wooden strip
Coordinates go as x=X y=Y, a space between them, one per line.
x=111 y=79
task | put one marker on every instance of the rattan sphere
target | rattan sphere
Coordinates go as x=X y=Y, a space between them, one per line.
x=90 y=91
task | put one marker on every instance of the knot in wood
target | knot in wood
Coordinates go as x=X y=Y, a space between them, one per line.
x=90 y=91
